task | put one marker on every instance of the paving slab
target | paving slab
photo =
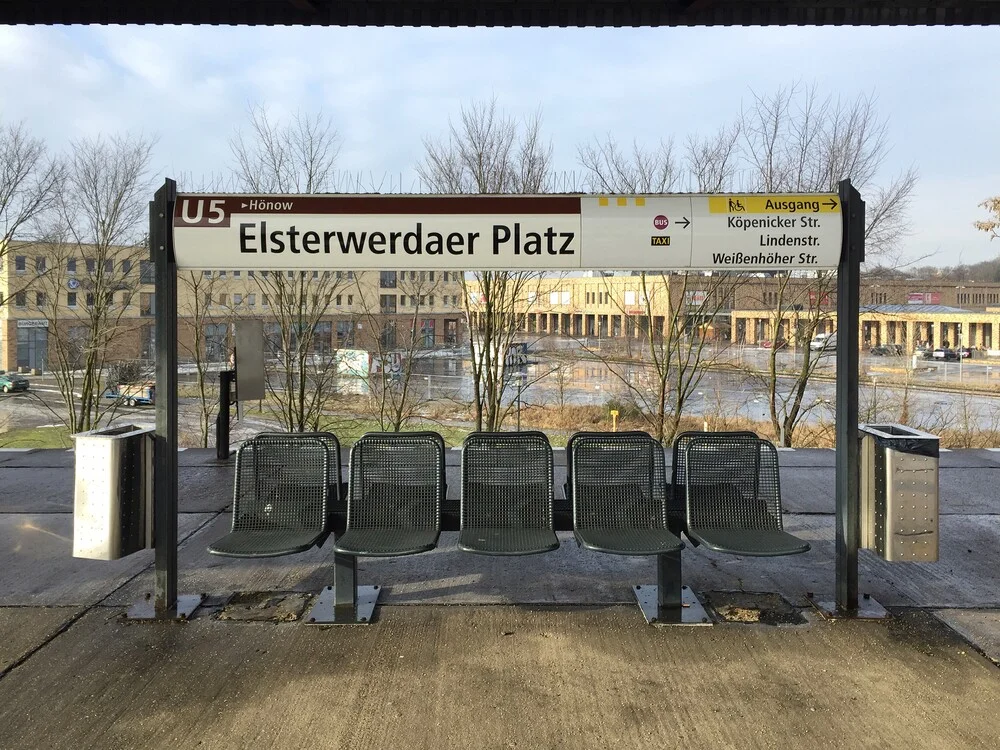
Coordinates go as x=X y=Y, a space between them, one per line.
x=36 y=490
x=37 y=566
x=43 y=458
x=205 y=489
x=808 y=489
x=502 y=677
x=981 y=627
x=24 y=629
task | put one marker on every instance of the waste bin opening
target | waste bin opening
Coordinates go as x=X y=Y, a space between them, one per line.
x=894 y=429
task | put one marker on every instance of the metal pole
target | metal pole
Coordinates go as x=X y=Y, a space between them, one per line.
x=165 y=498
x=226 y=378
x=166 y=605
x=848 y=530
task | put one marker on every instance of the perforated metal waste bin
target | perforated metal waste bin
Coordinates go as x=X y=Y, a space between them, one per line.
x=113 y=492
x=899 y=492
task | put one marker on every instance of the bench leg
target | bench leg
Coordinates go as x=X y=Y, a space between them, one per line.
x=344 y=603
x=669 y=602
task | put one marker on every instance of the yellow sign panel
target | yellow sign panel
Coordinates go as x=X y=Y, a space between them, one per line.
x=774 y=204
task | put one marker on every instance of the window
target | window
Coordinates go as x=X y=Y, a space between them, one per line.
x=402 y=300
x=315 y=274
x=126 y=299
x=338 y=300
x=90 y=299
x=264 y=273
x=39 y=265
x=350 y=298
x=291 y=274
x=20 y=264
x=92 y=265
x=126 y=266
x=109 y=266
x=206 y=274
x=630 y=298
x=208 y=296
x=445 y=276
x=423 y=300
x=222 y=299
x=21 y=299
x=236 y=274
x=71 y=299
x=147 y=304
x=432 y=300
x=40 y=299
x=350 y=275
x=71 y=265
x=430 y=275
x=387 y=279
x=263 y=300
x=237 y=300
x=147 y=272
x=220 y=274
x=250 y=274
x=252 y=300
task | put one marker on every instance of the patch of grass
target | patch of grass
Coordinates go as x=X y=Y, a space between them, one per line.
x=37 y=437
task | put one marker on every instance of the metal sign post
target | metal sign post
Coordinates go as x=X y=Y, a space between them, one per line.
x=848 y=517
x=166 y=605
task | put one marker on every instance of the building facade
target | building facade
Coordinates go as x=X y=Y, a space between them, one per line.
x=53 y=293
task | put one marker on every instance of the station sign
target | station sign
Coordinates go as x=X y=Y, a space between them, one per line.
x=744 y=232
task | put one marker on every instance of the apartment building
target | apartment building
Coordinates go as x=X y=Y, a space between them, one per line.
x=53 y=293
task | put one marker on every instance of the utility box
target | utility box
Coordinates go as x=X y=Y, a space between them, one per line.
x=899 y=492
x=113 y=492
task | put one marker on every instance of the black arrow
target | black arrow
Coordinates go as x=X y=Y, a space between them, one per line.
x=831 y=203
x=685 y=223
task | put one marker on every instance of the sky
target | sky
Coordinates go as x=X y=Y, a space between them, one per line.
x=388 y=89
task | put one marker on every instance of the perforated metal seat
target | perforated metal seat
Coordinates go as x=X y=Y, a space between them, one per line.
x=734 y=497
x=676 y=507
x=507 y=498
x=397 y=485
x=619 y=494
x=571 y=443
x=281 y=497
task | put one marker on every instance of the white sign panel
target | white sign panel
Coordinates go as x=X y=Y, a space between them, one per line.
x=553 y=232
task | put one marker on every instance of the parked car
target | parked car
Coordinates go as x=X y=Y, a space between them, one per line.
x=941 y=354
x=779 y=344
x=11 y=381
x=964 y=352
x=823 y=341
x=887 y=350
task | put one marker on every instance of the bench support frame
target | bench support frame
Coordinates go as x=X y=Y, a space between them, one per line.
x=668 y=602
x=344 y=603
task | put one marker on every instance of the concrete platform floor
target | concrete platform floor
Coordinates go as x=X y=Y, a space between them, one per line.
x=501 y=677
x=469 y=651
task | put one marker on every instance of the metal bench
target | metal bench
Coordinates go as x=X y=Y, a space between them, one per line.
x=676 y=503
x=733 y=497
x=507 y=497
x=282 y=495
x=618 y=490
x=397 y=486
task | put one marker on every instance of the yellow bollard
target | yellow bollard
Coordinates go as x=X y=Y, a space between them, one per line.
x=614 y=420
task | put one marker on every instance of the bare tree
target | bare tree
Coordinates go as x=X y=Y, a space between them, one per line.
x=198 y=289
x=489 y=151
x=297 y=157
x=29 y=184
x=670 y=317
x=294 y=157
x=299 y=339
x=610 y=170
x=397 y=339
x=795 y=141
x=98 y=258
